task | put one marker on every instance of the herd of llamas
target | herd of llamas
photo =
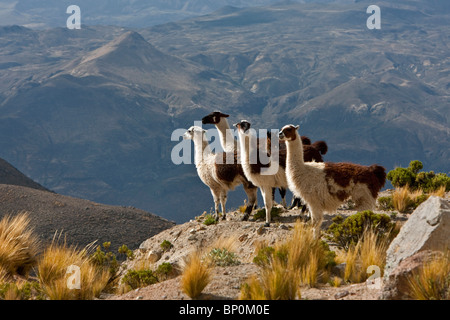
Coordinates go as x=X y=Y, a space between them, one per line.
x=293 y=163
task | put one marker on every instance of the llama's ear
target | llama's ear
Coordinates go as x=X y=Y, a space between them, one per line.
x=296 y=127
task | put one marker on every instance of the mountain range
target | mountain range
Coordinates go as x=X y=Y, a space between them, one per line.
x=90 y=113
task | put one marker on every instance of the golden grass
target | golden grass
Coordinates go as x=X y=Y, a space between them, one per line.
x=276 y=282
x=369 y=251
x=54 y=276
x=439 y=192
x=299 y=260
x=196 y=275
x=18 y=245
x=401 y=199
x=432 y=280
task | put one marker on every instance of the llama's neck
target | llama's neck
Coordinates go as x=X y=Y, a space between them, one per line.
x=201 y=149
x=226 y=136
x=244 y=142
x=295 y=152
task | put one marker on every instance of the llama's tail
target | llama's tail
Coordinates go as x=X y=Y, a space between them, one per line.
x=321 y=146
x=380 y=174
x=305 y=140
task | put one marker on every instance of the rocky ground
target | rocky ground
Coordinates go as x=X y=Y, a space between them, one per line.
x=226 y=281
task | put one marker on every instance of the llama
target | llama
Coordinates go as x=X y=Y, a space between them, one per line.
x=227 y=140
x=325 y=185
x=229 y=143
x=257 y=172
x=311 y=152
x=219 y=176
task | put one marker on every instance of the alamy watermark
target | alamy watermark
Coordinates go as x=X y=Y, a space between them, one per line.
x=74 y=279
x=374 y=21
x=259 y=151
x=74 y=20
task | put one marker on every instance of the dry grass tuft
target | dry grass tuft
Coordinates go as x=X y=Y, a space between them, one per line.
x=302 y=259
x=58 y=275
x=439 y=192
x=369 y=251
x=18 y=245
x=432 y=280
x=196 y=275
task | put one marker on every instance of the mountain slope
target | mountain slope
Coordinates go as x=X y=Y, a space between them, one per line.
x=12 y=176
x=80 y=222
x=91 y=114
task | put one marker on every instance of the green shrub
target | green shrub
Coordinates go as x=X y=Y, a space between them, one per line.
x=125 y=251
x=222 y=257
x=427 y=181
x=164 y=270
x=401 y=177
x=347 y=232
x=263 y=256
x=385 y=203
x=166 y=245
x=106 y=260
x=209 y=219
x=139 y=278
x=21 y=291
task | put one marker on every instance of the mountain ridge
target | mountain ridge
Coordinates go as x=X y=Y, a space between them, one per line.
x=104 y=133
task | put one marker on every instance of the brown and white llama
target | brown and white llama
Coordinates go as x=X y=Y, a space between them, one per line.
x=311 y=152
x=325 y=186
x=266 y=176
x=219 y=176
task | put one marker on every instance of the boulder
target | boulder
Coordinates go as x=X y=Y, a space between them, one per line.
x=427 y=230
x=396 y=286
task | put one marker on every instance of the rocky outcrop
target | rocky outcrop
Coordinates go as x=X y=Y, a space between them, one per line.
x=427 y=230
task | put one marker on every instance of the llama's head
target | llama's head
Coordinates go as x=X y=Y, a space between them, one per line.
x=288 y=133
x=243 y=127
x=214 y=117
x=195 y=132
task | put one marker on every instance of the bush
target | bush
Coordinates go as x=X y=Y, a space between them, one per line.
x=385 y=203
x=222 y=257
x=164 y=270
x=347 y=232
x=209 y=219
x=427 y=181
x=139 y=278
x=166 y=245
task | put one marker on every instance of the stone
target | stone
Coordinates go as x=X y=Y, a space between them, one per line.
x=396 y=286
x=341 y=294
x=154 y=255
x=428 y=228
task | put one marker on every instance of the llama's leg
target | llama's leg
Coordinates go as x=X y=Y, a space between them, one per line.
x=216 y=197
x=223 y=201
x=267 y=196
x=295 y=203
x=283 y=197
x=316 y=220
x=252 y=195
